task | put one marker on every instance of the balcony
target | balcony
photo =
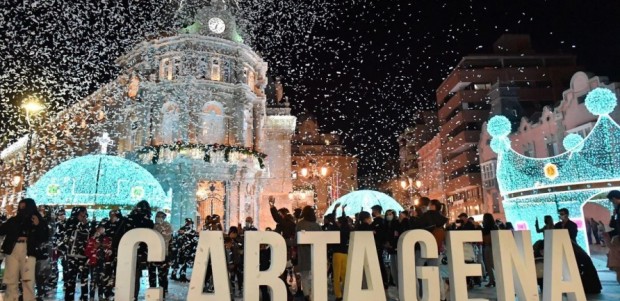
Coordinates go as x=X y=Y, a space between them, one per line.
x=462 y=160
x=457 y=99
x=462 y=141
x=463 y=182
x=461 y=118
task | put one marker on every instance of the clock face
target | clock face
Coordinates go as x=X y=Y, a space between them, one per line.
x=217 y=25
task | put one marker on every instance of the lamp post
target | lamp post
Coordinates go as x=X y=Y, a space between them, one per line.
x=32 y=107
x=408 y=184
x=313 y=175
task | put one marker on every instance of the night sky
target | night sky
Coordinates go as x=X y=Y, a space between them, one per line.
x=364 y=68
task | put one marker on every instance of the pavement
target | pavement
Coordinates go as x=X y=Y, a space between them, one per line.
x=611 y=288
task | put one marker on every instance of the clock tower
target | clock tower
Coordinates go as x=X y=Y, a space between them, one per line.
x=214 y=19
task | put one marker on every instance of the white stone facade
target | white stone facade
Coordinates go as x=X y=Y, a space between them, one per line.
x=191 y=109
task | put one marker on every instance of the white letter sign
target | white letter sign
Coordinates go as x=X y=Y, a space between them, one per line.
x=459 y=270
x=128 y=261
x=362 y=250
x=319 y=241
x=409 y=275
x=561 y=272
x=210 y=245
x=252 y=276
x=513 y=258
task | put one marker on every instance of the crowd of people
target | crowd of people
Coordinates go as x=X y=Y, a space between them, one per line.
x=41 y=246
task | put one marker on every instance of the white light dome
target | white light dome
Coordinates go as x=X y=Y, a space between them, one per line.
x=357 y=201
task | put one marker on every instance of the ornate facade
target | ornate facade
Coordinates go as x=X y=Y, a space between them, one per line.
x=191 y=109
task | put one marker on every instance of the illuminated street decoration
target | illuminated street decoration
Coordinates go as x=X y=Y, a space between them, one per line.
x=573 y=142
x=533 y=187
x=551 y=171
x=364 y=200
x=98 y=182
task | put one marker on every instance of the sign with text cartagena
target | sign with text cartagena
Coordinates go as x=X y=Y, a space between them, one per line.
x=512 y=255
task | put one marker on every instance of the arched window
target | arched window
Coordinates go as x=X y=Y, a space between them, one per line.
x=215 y=69
x=251 y=79
x=170 y=122
x=212 y=126
x=166 y=69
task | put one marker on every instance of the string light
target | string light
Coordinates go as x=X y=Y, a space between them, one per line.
x=601 y=101
x=98 y=181
x=499 y=126
x=573 y=142
x=588 y=160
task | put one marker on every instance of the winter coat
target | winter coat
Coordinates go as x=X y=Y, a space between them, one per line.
x=187 y=244
x=137 y=220
x=115 y=231
x=98 y=249
x=46 y=249
x=233 y=257
x=345 y=235
x=304 y=252
x=18 y=226
x=379 y=229
x=165 y=229
x=392 y=234
x=57 y=239
x=284 y=226
x=570 y=226
x=76 y=238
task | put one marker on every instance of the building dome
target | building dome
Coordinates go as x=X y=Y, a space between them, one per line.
x=364 y=200
x=98 y=182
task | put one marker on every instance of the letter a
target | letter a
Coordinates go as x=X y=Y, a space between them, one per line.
x=210 y=245
x=363 y=259
x=561 y=272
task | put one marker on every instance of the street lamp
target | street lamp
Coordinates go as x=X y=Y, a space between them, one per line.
x=32 y=106
x=16 y=180
x=408 y=185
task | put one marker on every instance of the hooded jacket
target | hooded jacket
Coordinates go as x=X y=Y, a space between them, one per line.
x=21 y=226
x=76 y=236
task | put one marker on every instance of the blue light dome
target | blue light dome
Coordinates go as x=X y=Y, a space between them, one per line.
x=357 y=201
x=98 y=182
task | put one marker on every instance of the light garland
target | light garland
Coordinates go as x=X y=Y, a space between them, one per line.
x=500 y=144
x=601 y=101
x=573 y=142
x=596 y=161
x=528 y=184
x=499 y=126
x=207 y=152
x=98 y=181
